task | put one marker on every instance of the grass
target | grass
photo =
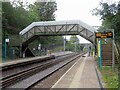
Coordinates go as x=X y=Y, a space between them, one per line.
x=110 y=77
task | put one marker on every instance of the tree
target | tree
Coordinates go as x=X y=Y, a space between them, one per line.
x=73 y=44
x=44 y=10
x=17 y=15
x=110 y=14
x=14 y=18
x=74 y=39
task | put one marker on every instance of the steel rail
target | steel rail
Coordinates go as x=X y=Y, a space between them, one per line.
x=28 y=82
x=13 y=78
x=31 y=66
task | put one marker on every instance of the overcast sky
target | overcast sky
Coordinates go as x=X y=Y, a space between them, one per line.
x=78 y=10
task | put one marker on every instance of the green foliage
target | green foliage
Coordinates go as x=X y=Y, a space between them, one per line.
x=106 y=10
x=73 y=43
x=51 y=40
x=14 y=19
x=110 y=77
x=110 y=14
x=17 y=15
x=74 y=39
x=46 y=10
x=43 y=11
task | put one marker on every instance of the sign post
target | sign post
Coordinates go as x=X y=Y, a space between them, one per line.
x=5 y=50
x=100 y=54
x=5 y=46
x=100 y=36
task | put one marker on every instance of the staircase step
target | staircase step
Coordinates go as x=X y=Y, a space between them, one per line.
x=107 y=57
x=106 y=64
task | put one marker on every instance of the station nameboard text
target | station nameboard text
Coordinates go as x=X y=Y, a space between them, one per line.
x=104 y=35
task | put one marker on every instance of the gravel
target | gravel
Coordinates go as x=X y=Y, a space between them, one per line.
x=53 y=78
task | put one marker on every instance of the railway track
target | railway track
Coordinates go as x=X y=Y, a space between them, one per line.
x=36 y=73
x=22 y=68
x=6 y=81
x=26 y=62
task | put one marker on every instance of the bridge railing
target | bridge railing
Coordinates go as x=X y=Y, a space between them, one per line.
x=28 y=35
x=58 y=30
x=117 y=51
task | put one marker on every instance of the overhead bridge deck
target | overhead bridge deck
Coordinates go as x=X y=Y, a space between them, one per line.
x=55 y=28
x=50 y=28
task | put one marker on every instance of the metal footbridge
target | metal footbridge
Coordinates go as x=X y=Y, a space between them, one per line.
x=54 y=28
x=70 y=27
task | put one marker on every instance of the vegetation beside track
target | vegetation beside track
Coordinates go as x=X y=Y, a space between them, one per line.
x=110 y=77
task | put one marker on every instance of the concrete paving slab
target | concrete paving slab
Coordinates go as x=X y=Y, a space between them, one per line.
x=81 y=75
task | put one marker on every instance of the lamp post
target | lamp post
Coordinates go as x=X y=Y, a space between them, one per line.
x=64 y=43
x=39 y=48
x=5 y=45
x=75 y=45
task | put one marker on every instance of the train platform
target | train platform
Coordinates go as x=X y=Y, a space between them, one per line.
x=21 y=60
x=82 y=74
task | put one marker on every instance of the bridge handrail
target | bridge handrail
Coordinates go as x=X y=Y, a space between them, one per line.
x=116 y=51
x=45 y=23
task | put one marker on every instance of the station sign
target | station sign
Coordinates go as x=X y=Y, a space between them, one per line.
x=104 y=34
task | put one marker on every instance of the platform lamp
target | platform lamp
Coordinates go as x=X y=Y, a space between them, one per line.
x=64 y=43
x=5 y=47
x=39 y=48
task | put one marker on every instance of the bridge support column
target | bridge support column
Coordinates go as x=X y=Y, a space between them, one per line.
x=64 y=43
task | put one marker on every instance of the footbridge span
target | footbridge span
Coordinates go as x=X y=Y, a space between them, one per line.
x=55 y=28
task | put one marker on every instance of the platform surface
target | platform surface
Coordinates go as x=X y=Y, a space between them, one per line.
x=32 y=58
x=81 y=75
